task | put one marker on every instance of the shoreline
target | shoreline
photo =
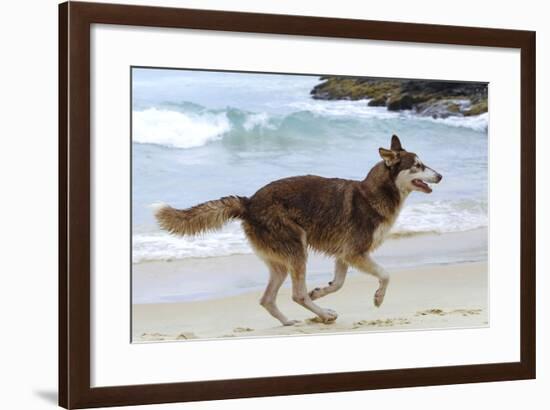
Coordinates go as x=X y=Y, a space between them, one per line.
x=392 y=236
x=436 y=297
x=203 y=278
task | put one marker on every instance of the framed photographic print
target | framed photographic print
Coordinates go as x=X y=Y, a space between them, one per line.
x=255 y=205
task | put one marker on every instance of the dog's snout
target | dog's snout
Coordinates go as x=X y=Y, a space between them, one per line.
x=433 y=176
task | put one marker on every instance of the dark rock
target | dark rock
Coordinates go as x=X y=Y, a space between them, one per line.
x=443 y=108
x=378 y=102
x=478 y=108
x=431 y=98
x=401 y=102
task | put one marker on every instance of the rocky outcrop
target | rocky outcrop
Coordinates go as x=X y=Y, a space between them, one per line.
x=438 y=99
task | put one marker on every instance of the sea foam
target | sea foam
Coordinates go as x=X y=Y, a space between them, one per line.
x=178 y=129
x=438 y=217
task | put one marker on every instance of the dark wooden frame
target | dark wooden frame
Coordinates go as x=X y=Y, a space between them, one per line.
x=75 y=20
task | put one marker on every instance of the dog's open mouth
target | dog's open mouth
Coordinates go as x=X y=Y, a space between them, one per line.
x=424 y=187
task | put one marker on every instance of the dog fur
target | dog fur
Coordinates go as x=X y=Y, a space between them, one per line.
x=343 y=218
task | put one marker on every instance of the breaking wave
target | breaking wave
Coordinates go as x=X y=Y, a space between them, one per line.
x=178 y=129
x=188 y=125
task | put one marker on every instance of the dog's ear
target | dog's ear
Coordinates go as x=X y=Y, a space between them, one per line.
x=390 y=157
x=396 y=144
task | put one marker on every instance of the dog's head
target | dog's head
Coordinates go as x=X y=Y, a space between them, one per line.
x=408 y=170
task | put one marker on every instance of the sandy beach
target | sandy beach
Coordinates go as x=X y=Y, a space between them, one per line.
x=434 y=296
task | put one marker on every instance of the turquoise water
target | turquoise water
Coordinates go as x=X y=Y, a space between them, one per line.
x=202 y=135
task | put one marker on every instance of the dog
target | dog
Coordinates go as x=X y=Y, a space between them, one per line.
x=343 y=218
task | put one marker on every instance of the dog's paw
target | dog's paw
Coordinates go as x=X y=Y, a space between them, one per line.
x=379 y=297
x=290 y=322
x=315 y=293
x=329 y=316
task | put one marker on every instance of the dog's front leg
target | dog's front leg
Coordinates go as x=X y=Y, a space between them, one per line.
x=340 y=271
x=365 y=264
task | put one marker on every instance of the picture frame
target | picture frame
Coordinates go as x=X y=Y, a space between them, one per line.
x=75 y=195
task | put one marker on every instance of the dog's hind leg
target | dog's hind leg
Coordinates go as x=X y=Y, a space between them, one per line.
x=340 y=270
x=277 y=275
x=283 y=241
x=365 y=264
x=300 y=295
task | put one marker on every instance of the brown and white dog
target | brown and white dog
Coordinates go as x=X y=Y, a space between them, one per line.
x=343 y=218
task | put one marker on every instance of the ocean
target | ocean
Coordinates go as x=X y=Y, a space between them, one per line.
x=200 y=135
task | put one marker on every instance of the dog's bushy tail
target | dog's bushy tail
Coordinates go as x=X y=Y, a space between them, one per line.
x=208 y=216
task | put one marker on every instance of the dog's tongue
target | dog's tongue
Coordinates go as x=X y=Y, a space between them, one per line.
x=422 y=185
